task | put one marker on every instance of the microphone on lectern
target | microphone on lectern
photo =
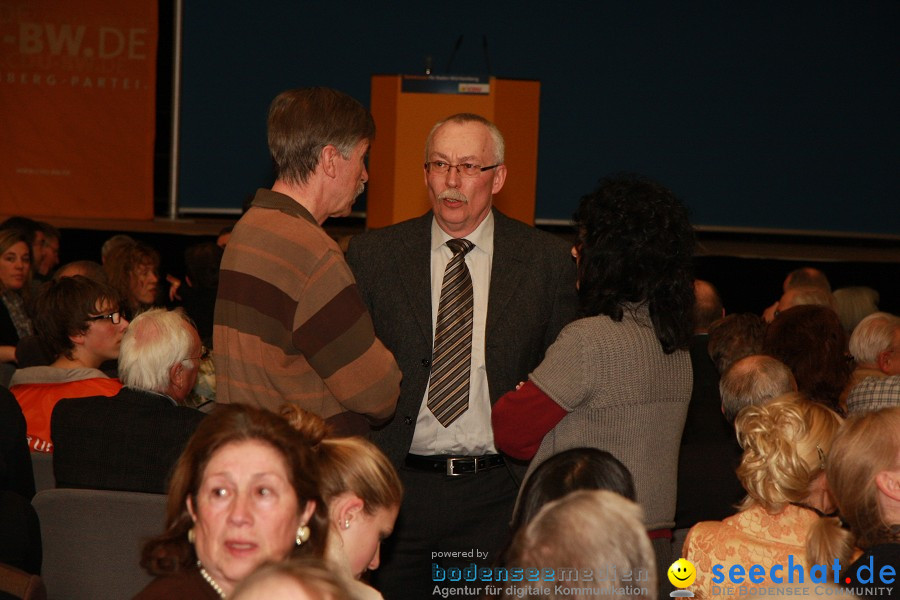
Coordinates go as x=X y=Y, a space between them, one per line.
x=459 y=41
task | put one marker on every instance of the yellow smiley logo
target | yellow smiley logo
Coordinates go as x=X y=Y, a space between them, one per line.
x=682 y=573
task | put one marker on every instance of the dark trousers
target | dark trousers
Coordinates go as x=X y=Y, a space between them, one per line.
x=468 y=514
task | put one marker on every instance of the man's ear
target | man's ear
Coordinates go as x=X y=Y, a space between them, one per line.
x=888 y=483
x=177 y=373
x=885 y=360
x=499 y=179
x=327 y=159
x=78 y=339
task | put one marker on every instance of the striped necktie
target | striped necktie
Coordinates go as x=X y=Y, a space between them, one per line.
x=448 y=390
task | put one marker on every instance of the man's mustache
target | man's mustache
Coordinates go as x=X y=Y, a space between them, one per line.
x=454 y=195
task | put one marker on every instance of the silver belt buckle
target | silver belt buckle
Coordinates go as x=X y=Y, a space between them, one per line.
x=450 y=463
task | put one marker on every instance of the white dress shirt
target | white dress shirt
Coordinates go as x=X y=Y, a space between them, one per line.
x=470 y=434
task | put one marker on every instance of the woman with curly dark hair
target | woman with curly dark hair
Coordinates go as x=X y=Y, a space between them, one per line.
x=618 y=379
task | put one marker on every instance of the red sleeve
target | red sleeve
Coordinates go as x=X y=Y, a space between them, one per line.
x=522 y=418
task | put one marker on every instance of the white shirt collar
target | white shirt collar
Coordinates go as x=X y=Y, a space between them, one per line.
x=482 y=237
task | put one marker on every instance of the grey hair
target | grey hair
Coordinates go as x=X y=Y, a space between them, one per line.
x=114 y=241
x=806 y=294
x=752 y=381
x=872 y=336
x=855 y=303
x=155 y=340
x=463 y=118
x=587 y=529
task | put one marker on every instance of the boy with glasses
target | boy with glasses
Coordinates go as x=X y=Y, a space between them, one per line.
x=78 y=322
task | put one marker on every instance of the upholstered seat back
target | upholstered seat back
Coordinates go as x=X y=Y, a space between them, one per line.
x=92 y=541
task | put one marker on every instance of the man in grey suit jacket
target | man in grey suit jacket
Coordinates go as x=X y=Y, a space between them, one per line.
x=459 y=490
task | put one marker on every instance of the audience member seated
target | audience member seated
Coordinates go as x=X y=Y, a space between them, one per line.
x=131 y=441
x=875 y=346
x=30 y=352
x=801 y=296
x=297 y=579
x=201 y=283
x=810 y=340
x=20 y=532
x=753 y=381
x=805 y=278
x=43 y=242
x=785 y=443
x=568 y=471
x=16 y=473
x=707 y=307
x=363 y=493
x=563 y=473
x=874 y=393
x=87 y=268
x=709 y=493
x=81 y=327
x=595 y=531
x=244 y=492
x=864 y=478
x=132 y=271
x=712 y=492
x=120 y=239
x=853 y=304
x=47 y=259
x=15 y=290
x=733 y=337
x=704 y=417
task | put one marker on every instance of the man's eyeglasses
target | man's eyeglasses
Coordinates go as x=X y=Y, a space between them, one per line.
x=204 y=355
x=114 y=317
x=467 y=169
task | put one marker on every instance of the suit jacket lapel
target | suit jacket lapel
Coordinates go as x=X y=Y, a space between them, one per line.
x=415 y=274
x=507 y=269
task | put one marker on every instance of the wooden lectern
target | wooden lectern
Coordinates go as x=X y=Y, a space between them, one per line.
x=406 y=107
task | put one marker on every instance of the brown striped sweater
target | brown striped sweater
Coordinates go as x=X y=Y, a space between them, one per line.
x=290 y=325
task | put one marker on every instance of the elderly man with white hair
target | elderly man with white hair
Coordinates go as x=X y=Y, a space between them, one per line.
x=130 y=441
x=753 y=381
x=875 y=346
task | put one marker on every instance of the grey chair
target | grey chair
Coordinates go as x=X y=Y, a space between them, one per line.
x=92 y=541
x=42 y=466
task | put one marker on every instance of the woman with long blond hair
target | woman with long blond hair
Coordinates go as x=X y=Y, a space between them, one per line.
x=786 y=442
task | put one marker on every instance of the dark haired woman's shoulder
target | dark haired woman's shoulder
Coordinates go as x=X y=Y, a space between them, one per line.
x=185 y=584
x=517 y=232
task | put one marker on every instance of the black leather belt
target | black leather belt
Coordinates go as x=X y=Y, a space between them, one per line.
x=454 y=465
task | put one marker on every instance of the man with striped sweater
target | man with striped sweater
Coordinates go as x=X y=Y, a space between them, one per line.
x=290 y=326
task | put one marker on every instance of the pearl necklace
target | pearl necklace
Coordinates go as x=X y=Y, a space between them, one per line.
x=212 y=582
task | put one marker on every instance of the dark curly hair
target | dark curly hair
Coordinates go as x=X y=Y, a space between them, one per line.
x=636 y=246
